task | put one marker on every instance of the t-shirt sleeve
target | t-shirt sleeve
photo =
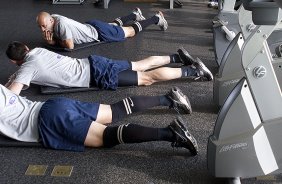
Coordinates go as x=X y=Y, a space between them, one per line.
x=63 y=31
x=24 y=76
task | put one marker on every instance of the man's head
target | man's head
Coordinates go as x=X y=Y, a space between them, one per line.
x=16 y=52
x=45 y=22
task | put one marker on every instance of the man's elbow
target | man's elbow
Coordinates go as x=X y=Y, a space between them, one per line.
x=70 y=46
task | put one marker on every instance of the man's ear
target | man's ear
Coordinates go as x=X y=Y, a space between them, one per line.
x=13 y=61
x=26 y=48
x=19 y=63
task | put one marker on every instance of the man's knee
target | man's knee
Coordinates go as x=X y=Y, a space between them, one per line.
x=128 y=31
x=144 y=79
x=104 y=115
x=94 y=137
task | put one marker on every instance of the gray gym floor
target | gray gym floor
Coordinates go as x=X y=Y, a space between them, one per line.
x=146 y=163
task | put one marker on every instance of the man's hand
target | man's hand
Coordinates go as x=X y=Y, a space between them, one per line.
x=48 y=36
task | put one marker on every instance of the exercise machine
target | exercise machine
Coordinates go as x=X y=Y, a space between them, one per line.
x=246 y=138
x=225 y=28
x=230 y=70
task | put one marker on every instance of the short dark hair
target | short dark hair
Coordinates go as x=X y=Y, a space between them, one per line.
x=16 y=51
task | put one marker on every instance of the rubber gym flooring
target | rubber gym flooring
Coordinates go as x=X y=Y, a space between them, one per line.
x=146 y=163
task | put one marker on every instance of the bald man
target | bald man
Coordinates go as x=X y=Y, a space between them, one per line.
x=57 y=29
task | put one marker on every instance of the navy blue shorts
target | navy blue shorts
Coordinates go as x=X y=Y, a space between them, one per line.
x=64 y=123
x=104 y=71
x=107 y=32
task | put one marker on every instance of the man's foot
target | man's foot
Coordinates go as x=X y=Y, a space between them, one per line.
x=162 y=22
x=182 y=136
x=213 y=4
x=185 y=57
x=178 y=3
x=180 y=102
x=138 y=14
x=202 y=71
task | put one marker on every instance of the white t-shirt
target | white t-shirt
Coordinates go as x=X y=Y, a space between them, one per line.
x=18 y=116
x=66 y=28
x=47 y=68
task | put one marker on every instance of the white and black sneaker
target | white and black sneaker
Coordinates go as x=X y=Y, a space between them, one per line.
x=162 y=22
x=138 y=14
x=213 y=4
x=177 y=3
x=183 y=138
x=203 y=72
x=180 y=102
x=185 y=57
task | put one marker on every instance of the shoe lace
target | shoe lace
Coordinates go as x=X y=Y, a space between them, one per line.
x=200 y=75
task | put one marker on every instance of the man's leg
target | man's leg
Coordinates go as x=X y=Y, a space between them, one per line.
x=197 y=71
x=136 y=15
x=176 y=133
x=154 y=62
x=157 y=19
x=158 y=75
x=182 y=56
x=119 y=110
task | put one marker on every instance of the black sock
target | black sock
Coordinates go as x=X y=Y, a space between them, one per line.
x=132 y=133
x=140 y=25
x=165 y=101
x=120 y=21
x=188 y=71
x=136 y=104
x=175 y=58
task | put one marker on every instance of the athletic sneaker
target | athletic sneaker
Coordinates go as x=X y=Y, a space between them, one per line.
x=180 y=102
x=202 y=71
x=185 y=57
x=182 y=136
x=213 y=5
x=162 y=22
x=138 y=14
x=177 y=3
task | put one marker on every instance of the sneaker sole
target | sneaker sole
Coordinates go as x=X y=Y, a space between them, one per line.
x=164 y=21
x=189 y=108
x=204 y=68
x=192 y=141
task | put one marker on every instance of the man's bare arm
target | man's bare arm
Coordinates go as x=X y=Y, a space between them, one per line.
x=16 y=87
x=49 y=37
x=11 y=80
x=68 y=43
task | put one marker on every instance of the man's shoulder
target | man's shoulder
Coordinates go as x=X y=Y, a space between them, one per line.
x=60 y=19
x=35 y=52
x=35 y=55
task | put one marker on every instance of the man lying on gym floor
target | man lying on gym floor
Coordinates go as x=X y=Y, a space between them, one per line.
x=66 y=124
x=43 y=67
x=57 y=29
